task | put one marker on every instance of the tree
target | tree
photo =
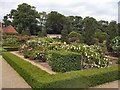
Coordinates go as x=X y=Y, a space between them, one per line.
x=24 y=19
x=118 y=29
x=103 y=26
x=90 y=26
x=74 y=23
x=42 y=33
x=42 y=19
x=112 y=33
x=6 y=21
x=55 y=22
x=64 y=34
x=112 y=30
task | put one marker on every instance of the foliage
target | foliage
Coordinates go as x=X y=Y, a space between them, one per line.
x=101 y=36
x=42 y=33
x=64 y=35
x=115 y=45
x=35 y=55
x=74 y=36
x=112 y=33
x=55 y=22
x=11 y=48
x=62 y=61
x=12 y=40
x=118 y=62
x=24 y=19
x=92 y=56
x=90 y=25
x=37 y=78
x=3 y=50
x=27 y=20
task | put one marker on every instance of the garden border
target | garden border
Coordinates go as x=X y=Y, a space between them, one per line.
x=36 y=77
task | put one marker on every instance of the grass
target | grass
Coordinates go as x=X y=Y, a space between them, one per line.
x=38 y=78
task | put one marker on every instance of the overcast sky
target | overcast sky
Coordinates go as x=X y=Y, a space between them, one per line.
x=99 y=9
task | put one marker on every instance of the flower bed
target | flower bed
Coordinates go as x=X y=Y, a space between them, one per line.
x=39 y=79
x=40 y=48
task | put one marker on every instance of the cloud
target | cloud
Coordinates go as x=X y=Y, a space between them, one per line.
x=106 y=9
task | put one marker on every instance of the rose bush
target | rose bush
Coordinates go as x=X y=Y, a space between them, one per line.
x=92 y=55
x=115 y=45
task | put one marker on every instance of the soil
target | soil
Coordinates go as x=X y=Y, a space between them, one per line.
x=42 y=65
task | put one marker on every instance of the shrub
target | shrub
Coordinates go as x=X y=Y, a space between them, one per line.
x=40 y=55
x=42 y=33
x=62 y=61
x=4 y=50
x=101 y=36
x=27 y=54
x=39 y=79
x=91 y=56
x=35 y=55
x=115 y=45
x=11 y=48
x=118 y=62
x=74 y=36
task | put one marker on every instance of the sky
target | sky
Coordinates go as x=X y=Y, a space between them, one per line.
x=99 y=9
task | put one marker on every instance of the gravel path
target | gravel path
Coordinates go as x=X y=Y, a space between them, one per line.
x=38 y=64
x=10 y=78
x=113 y=84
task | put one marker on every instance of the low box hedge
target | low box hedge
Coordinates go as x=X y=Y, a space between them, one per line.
x=38 y=78
x=10 y=48
x=62 y=61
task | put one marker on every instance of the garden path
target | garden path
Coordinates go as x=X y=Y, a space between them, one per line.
x=113 y=84
x=42 y=65
x=10 y=78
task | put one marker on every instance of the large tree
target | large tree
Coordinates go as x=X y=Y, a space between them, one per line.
x=90 y=26
x=112 y=33
x=24 y=19
x=55 y=22
x=112 y=29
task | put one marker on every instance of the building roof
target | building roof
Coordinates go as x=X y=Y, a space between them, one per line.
x=9 y=29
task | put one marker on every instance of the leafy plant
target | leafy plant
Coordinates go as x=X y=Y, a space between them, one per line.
x=115 y=45
x=62 y=61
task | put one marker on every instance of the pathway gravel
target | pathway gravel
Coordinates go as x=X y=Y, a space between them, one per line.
x=10 y=78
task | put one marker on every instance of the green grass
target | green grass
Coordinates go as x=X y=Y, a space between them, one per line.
x=38 y=78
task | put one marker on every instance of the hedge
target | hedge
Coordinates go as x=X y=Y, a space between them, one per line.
x=38 y=78
x=62 y=61
x=10 y=48
x=4 y=50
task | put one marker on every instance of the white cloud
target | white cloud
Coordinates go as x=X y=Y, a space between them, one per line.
x=105 y=9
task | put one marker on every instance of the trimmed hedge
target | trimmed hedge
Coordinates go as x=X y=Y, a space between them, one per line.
x=62 y=61
x=37 y=78
x=9 y=48
x=4 y=50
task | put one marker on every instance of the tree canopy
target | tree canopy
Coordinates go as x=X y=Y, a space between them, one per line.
x=27 y=20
